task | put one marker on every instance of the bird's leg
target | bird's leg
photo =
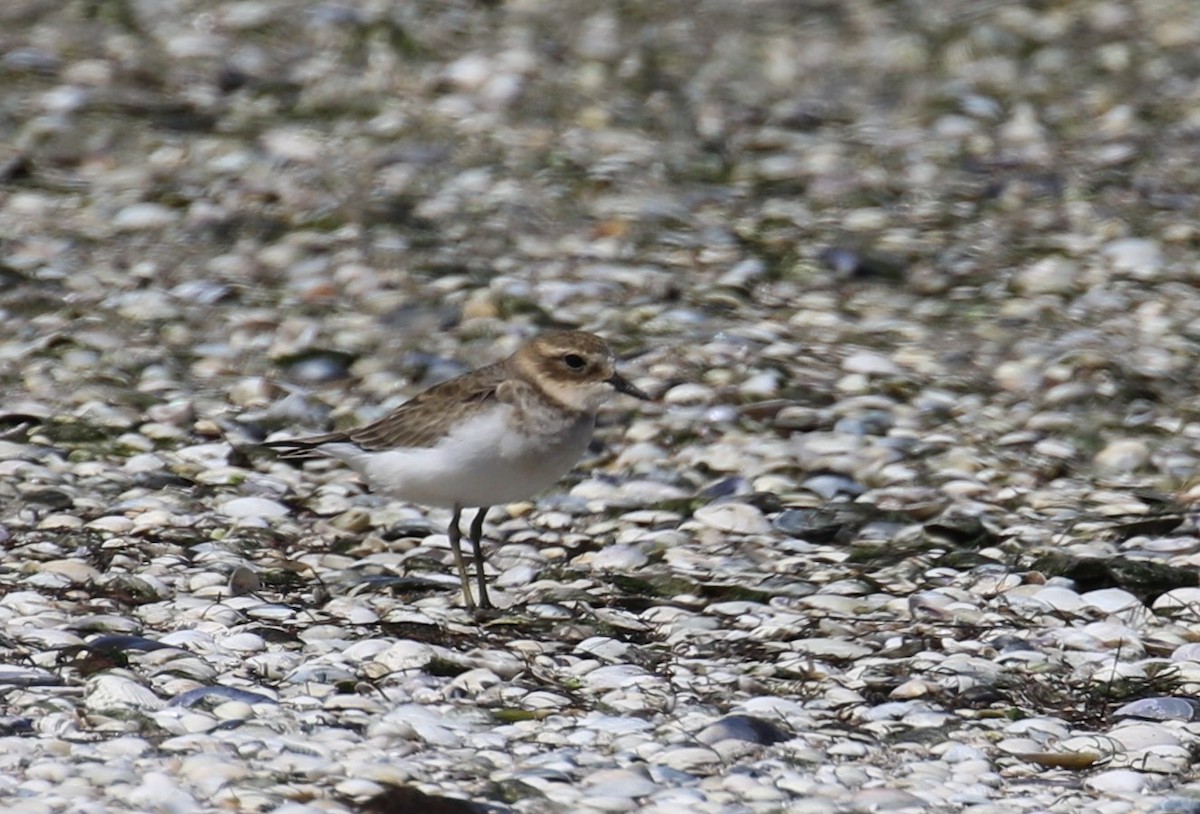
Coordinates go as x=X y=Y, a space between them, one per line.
x=455 y=536
x=477 y=541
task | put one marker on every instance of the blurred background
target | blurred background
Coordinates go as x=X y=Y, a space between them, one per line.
x=195 y=192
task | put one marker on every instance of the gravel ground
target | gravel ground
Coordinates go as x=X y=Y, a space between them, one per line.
x=907 y=529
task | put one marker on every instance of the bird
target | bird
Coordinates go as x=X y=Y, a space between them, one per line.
x=497 y=434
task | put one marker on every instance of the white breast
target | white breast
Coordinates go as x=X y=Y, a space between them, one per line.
x=483 y=462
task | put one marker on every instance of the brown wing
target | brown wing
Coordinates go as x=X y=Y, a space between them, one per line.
x=419 y=422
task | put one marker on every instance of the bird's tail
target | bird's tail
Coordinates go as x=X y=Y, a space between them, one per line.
x=308 y=447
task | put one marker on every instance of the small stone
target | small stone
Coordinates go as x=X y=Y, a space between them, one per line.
x=871 y=364
x=1118 y=781
x=687 y=758
x=1050 y=275
x=1111 y=600
x=1137 y=736
x=354 y=520
x=142 y=216
x=796 y=417
x=689 y=393
x=603 y=647
x=1061 y=599
x=913 y=688
x=77 y=571
x=1178 y=599
x=253 y=507
x=1018 y=376
x=744 y=274
x=253 y=391
x=1123 y=455
x=1161 y=709
x=738 y=518
x=1142 y=259
x=110 y=691
x=60 y=522
x=886 y=800
x=618 y=558
x=114 y=524
x=244 y=642
x=744 y=728
x=599 y=37
x=614 y=677
x=243 y=581
x=406 y=655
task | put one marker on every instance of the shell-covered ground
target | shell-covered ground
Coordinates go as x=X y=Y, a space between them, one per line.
x=908 y=527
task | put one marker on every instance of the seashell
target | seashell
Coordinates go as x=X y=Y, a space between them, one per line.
x=108 y=692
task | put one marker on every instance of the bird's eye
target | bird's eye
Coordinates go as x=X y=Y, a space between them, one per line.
x=574 y=361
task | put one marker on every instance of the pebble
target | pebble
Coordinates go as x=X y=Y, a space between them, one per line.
x=142 y=216
x=620 y=783
x=688 y=758
x=886 y=800
x=1160 y=709
x=253 y=507
x=1050 y=275
x=108 y=692
x=1139 y=257
x=742 y=728
x=872 y=364
x=618 y=558
x=1123 y=455
x=1179 y=599
x=1112 y=600
x=897 y=374
x=1118 y=781
x=736 y=518
x=689 y=393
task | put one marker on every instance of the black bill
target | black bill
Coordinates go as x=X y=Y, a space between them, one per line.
x=623 y=385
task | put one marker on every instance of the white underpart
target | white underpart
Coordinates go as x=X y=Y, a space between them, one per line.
x=485 y=461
